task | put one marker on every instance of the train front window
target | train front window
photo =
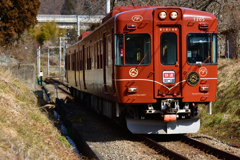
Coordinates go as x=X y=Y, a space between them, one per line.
x=168 y=48
x=198 y=48
x=137 y=49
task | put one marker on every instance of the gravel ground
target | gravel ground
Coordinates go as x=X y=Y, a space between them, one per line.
x=187 y=150
x=113 y=144
x=215 y=143
x=110 y=143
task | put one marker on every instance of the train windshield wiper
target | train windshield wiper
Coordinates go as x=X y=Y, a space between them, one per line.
x=142 y=60
x=205 y=60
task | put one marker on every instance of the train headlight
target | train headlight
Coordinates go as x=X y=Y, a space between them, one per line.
x=132 y=89
x=174 y=15
x=204 y=88
x=162 y=15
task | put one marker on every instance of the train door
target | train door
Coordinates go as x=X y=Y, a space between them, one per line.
x=113 y=65
x=84 y=61
x=75 y=68
x=167 y=60
x=79 y=64
x=104 y=63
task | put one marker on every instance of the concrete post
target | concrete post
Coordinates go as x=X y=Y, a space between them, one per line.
x=60 y=57
x=38 y=61
x=78 y=26
x=210 y=108
x=107 y=6
x=228 y=48
x=48 y=64
x=64 y=46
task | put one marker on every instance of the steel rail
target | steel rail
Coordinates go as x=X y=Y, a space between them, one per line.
x=48 y=80
x=214 y=151
x=160 y=148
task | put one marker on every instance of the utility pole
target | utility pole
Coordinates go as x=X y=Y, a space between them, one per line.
x=60 y=57
x=64 y=46
x=78 y=27
x=228 y=48
x=38 y=61
x=48 y=64
x=107 y=6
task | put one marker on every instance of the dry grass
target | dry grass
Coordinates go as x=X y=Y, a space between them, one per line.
x=25 y=131
x=224 y=123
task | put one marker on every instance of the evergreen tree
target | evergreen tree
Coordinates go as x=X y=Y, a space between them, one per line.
x=16 y=16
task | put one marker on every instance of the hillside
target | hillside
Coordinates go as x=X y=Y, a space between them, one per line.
x=67 y=7
x=26 y=131
x=224 y=123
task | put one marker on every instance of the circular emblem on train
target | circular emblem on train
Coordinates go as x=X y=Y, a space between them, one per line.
x=133 y=72
x=203 y=71
x=137 y=18
x=193 y=78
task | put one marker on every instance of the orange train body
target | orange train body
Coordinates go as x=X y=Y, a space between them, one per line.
x=147 y=62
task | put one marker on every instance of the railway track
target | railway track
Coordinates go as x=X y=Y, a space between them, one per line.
x=160 y=144
x=184 y=147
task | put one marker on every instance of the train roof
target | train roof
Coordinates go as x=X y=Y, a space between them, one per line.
x=128 y=8
x=122 y=9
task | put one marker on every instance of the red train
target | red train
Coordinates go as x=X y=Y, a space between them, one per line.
x=148 y=66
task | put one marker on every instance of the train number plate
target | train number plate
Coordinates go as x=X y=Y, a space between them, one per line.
x=169 y=77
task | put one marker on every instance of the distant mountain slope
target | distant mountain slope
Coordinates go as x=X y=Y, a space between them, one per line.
x=67 y=7
x=51 y=6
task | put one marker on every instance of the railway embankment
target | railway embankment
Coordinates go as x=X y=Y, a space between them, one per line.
x=224 y=123
x=24 y=72
x=26 y=130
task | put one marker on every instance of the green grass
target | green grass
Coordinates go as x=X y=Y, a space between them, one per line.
x=224 y=123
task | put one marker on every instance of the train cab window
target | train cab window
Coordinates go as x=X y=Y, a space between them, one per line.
x=214 y=48
x=168 y=48
x=198 y=48
x=119 y=49
x=137 y=49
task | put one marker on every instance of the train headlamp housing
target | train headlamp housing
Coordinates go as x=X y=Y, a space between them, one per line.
x=174 y=15
x=162 y=15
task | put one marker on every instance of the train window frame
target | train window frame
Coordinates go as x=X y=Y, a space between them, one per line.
x=139 y=53
x=206 y=59
x=162 y=50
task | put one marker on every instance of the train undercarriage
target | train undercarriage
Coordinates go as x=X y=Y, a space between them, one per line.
x=167 y=116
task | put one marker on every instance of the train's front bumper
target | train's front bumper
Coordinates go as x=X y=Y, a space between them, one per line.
x=143 y=126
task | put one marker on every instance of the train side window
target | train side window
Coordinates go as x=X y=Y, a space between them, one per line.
x=89 y=58
x=119 y=49
x=82 y=60
x=69 y=62
x=137 y=49
x=77 y=59
x=101 y=54
x=168 y=48
x=214 y=48
x=198 y=48
x=98 y=55
x=86 y=58
x=95 y=55
x=73 y=61
x=109 y=51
